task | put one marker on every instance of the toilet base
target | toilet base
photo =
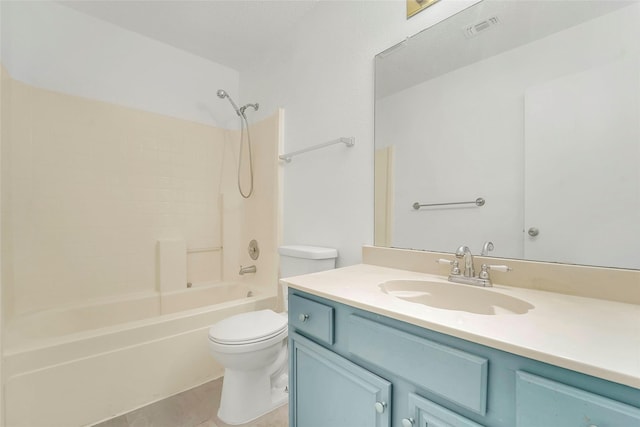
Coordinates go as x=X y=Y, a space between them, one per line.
x=247 y=395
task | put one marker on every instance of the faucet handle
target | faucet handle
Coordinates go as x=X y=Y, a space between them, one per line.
x=484 y=270
x=455 y=266
x=503 y=268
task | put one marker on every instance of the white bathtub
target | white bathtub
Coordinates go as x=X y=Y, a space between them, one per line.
x=81 y=365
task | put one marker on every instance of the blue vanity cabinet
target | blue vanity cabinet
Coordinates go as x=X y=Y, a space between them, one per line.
x=351 y=367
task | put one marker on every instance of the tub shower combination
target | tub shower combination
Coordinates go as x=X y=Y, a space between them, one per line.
x=82 y=364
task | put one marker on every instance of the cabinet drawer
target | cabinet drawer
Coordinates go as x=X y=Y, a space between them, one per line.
x=543 y=402
x=453 y=374
x=311 y=318
x=425 y=413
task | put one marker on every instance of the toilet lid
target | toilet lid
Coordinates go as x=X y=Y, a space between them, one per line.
x=248 y=327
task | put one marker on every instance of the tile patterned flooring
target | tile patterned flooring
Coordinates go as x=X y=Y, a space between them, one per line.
x=193 y=408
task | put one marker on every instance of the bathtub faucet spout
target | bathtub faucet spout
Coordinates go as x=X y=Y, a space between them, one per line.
x=245 y=270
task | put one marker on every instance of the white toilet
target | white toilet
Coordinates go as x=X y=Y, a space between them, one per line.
x=252 y=347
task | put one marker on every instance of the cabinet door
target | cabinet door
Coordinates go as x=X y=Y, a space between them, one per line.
x=543 y=402
x=328 y=390
x=425 y=413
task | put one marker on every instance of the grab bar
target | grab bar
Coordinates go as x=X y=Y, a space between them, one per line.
x=349 y=142
x=478 y=202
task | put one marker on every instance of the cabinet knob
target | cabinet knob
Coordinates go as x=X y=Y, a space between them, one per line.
x=380 y=407
x=303 y=317
x=407 y=422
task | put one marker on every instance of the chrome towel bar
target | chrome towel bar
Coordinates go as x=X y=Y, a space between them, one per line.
x=478 y=202
x=349 y=142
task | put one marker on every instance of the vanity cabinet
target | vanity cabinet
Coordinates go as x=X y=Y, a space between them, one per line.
x=351 y=367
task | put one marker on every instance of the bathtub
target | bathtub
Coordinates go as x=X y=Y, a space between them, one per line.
x=81 y=365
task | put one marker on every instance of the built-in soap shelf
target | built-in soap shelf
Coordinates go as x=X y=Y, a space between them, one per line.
x=179 y=266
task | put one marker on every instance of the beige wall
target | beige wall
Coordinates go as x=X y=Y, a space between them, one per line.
x=90 y=187
x=4 y=80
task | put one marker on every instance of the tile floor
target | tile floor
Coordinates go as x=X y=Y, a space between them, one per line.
x=193 y=408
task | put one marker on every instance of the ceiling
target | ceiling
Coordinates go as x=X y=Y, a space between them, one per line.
x=234 y=33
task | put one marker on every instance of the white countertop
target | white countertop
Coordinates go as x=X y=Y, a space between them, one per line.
x=593 y=336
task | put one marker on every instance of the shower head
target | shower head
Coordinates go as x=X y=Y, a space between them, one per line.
x=223 y=94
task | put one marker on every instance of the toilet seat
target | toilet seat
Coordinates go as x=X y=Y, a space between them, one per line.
x=248 y=328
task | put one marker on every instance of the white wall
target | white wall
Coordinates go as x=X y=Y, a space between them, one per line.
x=323 y=76
x=57 y=48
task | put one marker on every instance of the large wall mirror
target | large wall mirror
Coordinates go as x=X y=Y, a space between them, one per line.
x=533 y=106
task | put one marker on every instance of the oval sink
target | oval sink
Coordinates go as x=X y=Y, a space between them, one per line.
x=452 y=296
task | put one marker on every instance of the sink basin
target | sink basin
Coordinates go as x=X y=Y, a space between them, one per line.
x=451 y=296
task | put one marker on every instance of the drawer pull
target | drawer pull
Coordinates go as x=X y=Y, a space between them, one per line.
x=303 y=317
x=407 y=422
x=380 y=407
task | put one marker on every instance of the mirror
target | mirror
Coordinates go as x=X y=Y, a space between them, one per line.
x=532 y=106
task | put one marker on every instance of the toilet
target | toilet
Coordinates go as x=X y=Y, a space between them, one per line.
x=252 y=346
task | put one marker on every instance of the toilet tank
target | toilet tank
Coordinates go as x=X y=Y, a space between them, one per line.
x=297 y=260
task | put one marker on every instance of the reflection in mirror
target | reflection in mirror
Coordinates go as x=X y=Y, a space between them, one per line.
x=534 y=107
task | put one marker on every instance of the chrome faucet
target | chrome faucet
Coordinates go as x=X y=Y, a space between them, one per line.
x=245 y=270
x=465 y=253
x=468 y=274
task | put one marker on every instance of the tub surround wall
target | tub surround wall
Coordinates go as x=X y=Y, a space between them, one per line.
x=90 y=187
